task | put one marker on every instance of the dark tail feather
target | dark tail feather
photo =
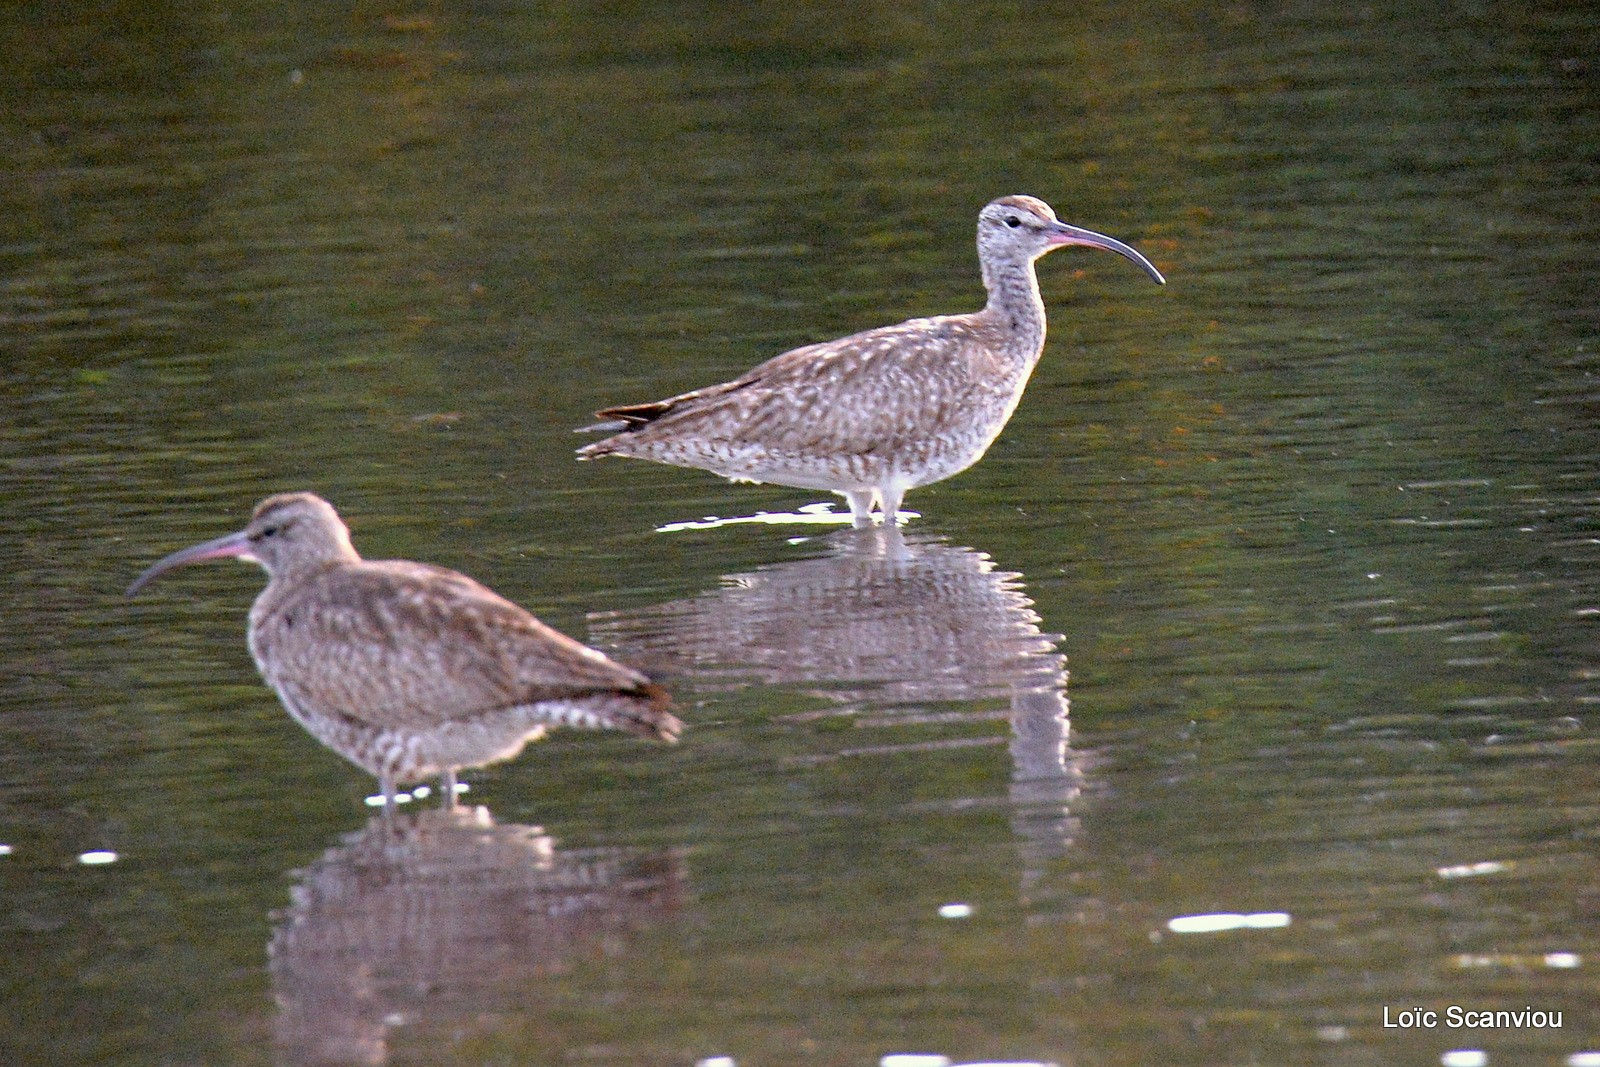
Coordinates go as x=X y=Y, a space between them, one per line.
x=643 y=713
x=632 y=416
x=629 y=417
x=620 y=421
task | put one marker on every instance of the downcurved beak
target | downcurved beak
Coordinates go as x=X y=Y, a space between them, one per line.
x=235 y=545
x=1073 y=235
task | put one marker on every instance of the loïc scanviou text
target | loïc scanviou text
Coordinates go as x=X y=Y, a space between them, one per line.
x=1456 y=1017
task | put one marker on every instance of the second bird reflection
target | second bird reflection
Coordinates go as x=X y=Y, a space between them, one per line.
x=886 y=620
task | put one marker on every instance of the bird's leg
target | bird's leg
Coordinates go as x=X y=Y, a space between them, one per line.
x=889 y=499
x=447 y=782
x=386 y=784
x=860 y=506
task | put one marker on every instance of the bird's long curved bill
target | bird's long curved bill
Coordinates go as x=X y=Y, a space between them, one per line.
x=1073 y=235
x=235 y=545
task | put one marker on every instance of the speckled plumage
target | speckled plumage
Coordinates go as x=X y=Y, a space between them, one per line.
x=409 y=670
x=880 y=412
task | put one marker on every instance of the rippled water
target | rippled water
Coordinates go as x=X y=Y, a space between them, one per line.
x=1316 y=529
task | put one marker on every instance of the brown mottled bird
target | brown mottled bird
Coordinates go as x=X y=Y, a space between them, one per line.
x=409 y=670
x=877 y=413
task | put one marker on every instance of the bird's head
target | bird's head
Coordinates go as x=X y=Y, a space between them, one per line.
x=288 y=533
x=1025 y=227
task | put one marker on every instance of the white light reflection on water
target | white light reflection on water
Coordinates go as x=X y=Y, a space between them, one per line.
x=1560 y=961
x=1220 y=921
x=421 y=792
x=820 y=514
x=1473 y=870
x=931 y=1059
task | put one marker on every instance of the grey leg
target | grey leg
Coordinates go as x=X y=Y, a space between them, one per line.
x=891 y=506
x=861 y=506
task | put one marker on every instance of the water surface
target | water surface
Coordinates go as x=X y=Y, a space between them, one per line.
x=1314 y=528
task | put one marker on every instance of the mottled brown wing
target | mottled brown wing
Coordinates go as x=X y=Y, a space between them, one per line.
x=872 y=391
x=410 y=645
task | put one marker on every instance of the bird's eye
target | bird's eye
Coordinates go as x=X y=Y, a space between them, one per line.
x=1013 y=221
x=266 y=531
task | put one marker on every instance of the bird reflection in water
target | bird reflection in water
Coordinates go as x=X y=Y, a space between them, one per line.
x=883 y=626
x=430 y=926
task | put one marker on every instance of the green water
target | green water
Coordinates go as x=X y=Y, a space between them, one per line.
x=1315 y=529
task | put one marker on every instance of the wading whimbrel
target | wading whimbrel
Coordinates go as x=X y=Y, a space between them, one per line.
x=876 y=413
x=409 y=670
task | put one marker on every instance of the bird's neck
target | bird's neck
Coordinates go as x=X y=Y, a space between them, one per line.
x=284 y=579
x=1015 y=306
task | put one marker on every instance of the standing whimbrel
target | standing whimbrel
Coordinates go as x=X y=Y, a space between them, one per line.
x=409 y=670
x=876 y=413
